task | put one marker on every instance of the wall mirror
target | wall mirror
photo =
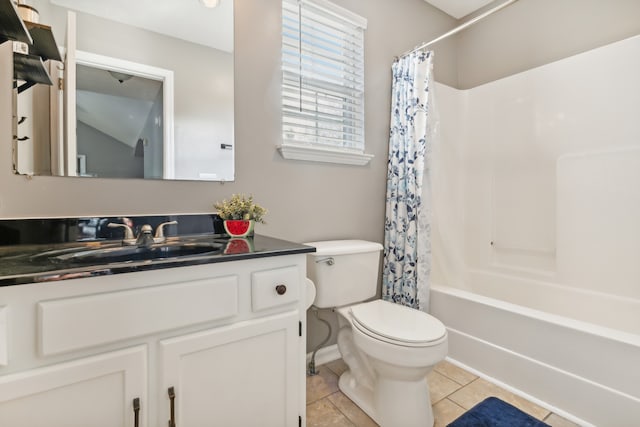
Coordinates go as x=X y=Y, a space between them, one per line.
x=146 y=92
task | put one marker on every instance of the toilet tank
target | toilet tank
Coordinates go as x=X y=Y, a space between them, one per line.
x=344 y=271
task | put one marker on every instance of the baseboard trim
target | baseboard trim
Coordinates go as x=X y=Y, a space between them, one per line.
x=325 y=355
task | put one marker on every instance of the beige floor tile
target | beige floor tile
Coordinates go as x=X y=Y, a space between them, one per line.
x=440 y=386
x=480 y=389
x=453 y=391
x=454 y=372
x=323 y=413
x=351 y=410
x=337 y=366
x=445 y=412
x=321 y=385
x=555 y=420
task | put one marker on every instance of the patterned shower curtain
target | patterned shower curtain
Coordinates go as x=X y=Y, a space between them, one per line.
x=407 y=246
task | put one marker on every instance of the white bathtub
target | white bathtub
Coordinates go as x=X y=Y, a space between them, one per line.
x=587 y=371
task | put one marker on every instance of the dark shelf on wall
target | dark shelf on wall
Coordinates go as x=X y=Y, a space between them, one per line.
x=42 y=46
x=30 y=69
x=11 y=26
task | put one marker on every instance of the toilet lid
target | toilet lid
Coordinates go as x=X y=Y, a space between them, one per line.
x=398 y=323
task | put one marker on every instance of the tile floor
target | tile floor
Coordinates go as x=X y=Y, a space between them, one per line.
x=453 y=391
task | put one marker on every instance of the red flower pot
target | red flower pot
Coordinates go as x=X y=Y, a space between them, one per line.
x=238 y=227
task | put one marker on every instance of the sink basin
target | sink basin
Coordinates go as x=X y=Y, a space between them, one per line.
x=134 y=253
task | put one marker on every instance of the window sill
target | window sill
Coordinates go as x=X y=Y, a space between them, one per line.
x=326 y=155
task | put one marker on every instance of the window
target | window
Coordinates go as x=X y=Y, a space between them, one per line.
x=322 y=83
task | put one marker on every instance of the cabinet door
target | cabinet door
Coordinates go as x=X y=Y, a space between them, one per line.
x=95 y=391
x=242 y=375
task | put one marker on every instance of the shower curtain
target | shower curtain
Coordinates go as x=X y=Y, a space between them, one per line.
x=407 y=246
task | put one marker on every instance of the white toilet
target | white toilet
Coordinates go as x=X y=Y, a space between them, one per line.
x=388 y=348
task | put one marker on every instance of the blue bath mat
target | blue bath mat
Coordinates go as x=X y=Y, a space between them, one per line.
x=493 y=412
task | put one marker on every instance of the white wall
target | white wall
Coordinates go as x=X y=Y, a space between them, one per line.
x=551 y=166
x=530 y=33
x=306 y=201
x=310 y=201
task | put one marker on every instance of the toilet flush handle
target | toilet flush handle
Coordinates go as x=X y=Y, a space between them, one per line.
x=328 y=260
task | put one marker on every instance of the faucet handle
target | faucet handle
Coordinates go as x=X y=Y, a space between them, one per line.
x=128 y=232
x=160 y=229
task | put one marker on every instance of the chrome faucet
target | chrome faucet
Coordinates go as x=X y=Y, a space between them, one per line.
x=144 y=239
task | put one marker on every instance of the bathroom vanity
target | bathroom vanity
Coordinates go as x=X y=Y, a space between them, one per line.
x=216 y=339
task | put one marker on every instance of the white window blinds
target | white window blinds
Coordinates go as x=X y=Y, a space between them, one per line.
x=323 y=75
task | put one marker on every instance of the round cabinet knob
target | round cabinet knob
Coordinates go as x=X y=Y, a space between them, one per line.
x=281 y=289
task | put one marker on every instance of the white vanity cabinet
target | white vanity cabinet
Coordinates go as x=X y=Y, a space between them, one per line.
x=218 y=344
x=238 y=375
x=94 y=391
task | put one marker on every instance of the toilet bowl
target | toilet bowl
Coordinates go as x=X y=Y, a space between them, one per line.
x=388 y=348
x=388 y=378
x=398 y=335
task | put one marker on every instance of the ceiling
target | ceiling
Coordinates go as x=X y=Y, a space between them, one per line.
x=459 y=8
x=184 y=19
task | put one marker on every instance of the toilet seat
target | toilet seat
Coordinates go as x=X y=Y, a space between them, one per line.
x=397 y=324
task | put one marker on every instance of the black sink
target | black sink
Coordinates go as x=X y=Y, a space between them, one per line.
x=134 y=253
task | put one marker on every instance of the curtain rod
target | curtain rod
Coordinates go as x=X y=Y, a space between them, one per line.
x=461 y=26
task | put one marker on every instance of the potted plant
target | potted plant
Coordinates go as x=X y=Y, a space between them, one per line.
x=240 y=214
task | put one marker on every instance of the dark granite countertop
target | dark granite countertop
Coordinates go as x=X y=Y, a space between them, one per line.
x=53 y=249
x=22 y=264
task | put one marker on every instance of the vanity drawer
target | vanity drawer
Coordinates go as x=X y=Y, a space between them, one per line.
x=274 y=288
x=75 y=323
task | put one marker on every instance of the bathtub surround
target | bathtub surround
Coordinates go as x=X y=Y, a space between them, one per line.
x=407 y=246
x=580 y=371
x=561 y=155
x=536 y=225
